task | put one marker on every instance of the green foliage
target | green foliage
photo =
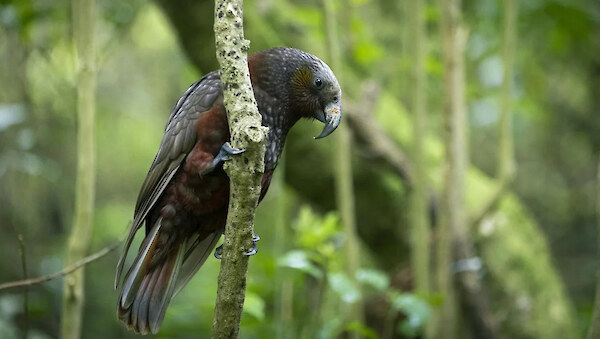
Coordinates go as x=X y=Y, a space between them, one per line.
x=362 y=330
x=373 y=278
x=317 y=256
x=416 y=310
x=319 y=235
x=345 y=288
x=299 y=260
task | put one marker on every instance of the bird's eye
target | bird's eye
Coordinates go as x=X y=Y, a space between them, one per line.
x=318 y=83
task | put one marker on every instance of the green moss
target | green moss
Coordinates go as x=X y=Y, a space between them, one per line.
x=528 y=296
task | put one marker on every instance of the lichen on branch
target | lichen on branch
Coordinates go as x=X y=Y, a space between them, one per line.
x=245 y=170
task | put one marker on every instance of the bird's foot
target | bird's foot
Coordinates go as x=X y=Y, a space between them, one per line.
x=254 y=249
x=226 y=151
x=219 y=252
x=221 y=157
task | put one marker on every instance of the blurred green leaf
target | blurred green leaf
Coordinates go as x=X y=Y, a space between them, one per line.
x=367 y=52
x=434 y=65
x=416 y=310
x=318 y=234
x=359 y=2
x=363 y=330
x=299 y=260
x=344 y=287
x=374 y=278
x=8 y=330
x=254 y=305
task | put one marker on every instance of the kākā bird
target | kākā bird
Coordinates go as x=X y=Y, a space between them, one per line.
x=184 y=199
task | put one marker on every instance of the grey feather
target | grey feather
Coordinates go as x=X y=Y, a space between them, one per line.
x=172 y=151
x=196 y=255
x=132 y=281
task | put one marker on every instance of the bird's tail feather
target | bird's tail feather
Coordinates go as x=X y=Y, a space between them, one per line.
x=149 y=287
x=196 y=254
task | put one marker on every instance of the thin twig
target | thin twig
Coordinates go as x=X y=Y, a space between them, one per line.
x=65 y=271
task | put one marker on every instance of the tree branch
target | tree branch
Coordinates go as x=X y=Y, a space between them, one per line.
x=452 y=205
x=491 y=203
x=345 y=200
x=244 y=171
x=380 y=145
x=420 y=231
x=65 y=271
x=594 y=330
x=84 y=16
x=506 y=148
x=506 y=153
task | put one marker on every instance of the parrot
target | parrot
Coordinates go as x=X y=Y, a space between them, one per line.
x=184 y=199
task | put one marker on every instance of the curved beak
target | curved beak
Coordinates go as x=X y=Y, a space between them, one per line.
x=331 y=117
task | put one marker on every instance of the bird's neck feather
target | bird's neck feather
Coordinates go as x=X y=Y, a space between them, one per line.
x=275 y=116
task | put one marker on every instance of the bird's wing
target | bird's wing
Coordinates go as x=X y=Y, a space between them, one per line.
x=177 y=142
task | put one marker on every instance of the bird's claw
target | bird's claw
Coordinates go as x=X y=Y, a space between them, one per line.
x=252 y=251
x=227 y=150
x=219 y=252
x=221 y=157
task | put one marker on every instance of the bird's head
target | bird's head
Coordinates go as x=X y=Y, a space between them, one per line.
x=312 y=90
x=317 y=94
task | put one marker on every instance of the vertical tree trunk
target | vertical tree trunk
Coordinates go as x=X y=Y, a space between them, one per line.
x=506 y=165
x=454 y=141
x=73 y=292
x=506 y=153
x=594 y=330
x=419 y=226
x=245 y=171
x=343 y=163
x=283 y=295
x=459 y=246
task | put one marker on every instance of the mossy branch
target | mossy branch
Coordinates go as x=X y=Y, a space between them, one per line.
x=245 y=171
x=73 y=293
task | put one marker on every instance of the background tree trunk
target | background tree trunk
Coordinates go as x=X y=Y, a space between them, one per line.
x=343 y=165
x=420 y=235
x=84 y=16
x=245 y=171
x=195 y=26
x=594 y=330
x=506 y=152
x=283 y=283
x=455 y=159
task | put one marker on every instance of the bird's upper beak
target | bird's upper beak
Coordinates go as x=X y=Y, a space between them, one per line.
x=331 y=117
